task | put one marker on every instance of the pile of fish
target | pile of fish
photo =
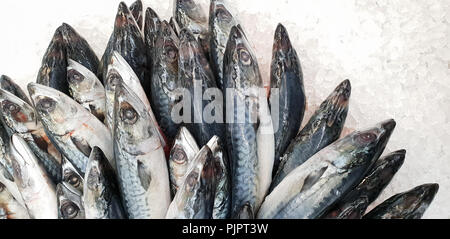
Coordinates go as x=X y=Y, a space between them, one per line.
x=97 y=138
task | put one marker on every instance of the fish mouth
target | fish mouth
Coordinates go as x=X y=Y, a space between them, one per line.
x=282 y=43
x=35 y=90
x=188 y=44
x=386 y=128
x=337 y=103
x=123 y=16
x=150 y=13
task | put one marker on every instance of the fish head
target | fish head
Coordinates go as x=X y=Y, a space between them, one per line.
x=285 y=62
x=362 y=148
x=133 y=126
x=23 y=162
x=71 y=176
x=124 y=17
x=332 y=113
x=183 y=152
x=385 y=169
x=55 y=109
x=119 y=66
x=220 y=15
x=94 y=185
x=241 y=61
x=199 y=176
x=421 y=197
x=69 y=34
x=190 y=15
x=80 y=79
x=193 y=64
x=17 y=114
x=69 y=202
x=152 y=22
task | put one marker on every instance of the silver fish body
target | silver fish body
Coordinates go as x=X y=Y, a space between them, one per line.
x=86 y=89
x=324 y=127
x=70 y=205
x=355 y=203
x=182 y=154
x=10 y=208
x=411 y=204
x=70 y=127
x=101 y=196
x=141 y=164
x=195 y=198
x=250 y=138
x=38 y=192
x=313 y=187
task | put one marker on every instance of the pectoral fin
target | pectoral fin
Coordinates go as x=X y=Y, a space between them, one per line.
x=143 y=175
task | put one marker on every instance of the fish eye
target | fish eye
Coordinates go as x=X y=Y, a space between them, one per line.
x=171 y=53
x=178 y=155
x=114 y=79
x=11 y=107
x=245 y=57
x=365 y=138
x=74 y=76
x=128 y=115
x=191 y=181
x=46 y=104
x=74 y=180
x=69 y=210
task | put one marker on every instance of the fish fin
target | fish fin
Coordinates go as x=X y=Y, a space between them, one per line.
x=143 y=175
x=312 y=178
x=82 y=145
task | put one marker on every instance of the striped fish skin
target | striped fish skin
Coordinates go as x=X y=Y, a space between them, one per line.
x=70 y=127
x=181 y=156
x=194 y=70
x=411 y=204
x=71 y=176
x=101 y=195
x=222 y=198
x=86 y=89
x=220 y=23
x=312 y=188
x=141 y=164
x=7 y=84
x=165 y=83
x=136 y=10
x=10 y=208
x=78 y=49
x=355 y=203
x=37 y=190
x=250 y=139
x=324 y=127
x=127 y=40
x=191 y=16
x=53 y=69
x=18 y=117
x=70 y=205
x=286 y=76
x=195 y=199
